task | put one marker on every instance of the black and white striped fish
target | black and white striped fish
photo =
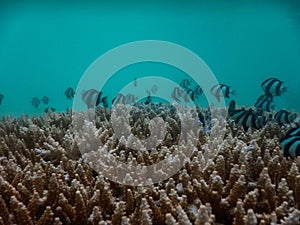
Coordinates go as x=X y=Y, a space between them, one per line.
x=191 y=93
x=291 y=143
x=198 y=91
x=93 y=98
x=231 y=107
x=119 y=99
x=35 y=102
x=130 y=99
x=1 y=98
x=273 y=87
x=221 y=90
x=148 y=100
x=265 y=103
x=248 y=118
x=293 y=132
x=124 y=99
x=104 y=102
x=69 y=92
x=185 y=84
x=177 y=93
x=45 y=100
x=283 y=116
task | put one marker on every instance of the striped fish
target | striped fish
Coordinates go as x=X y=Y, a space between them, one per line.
x=35 y=102
x=291 y=146
x=198 y=91
x=273 y=87
x=231 y=107
x=104 y=101
x=93 y=98
x=122 y=99
x=69 y=93
x=45 y=100
x=177 y=93
x=248 y=118
x=1 y=98
x=130 y=99
x=291 y=143
x=265 y=103
x=185 y=84
x=283 y=116
x=190 y=93
x=119 y=99
x=294 y=132
x=221 y=90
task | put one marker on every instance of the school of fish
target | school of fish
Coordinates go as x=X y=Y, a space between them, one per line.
x=188 y=90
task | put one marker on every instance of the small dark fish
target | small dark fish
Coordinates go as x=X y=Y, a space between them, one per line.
x=98 y=99
x=190 y=93
x=154 y=89
x=129 y=99
x=243 y=117
x=186 y=97
x=45 y=100
x=177 y=93
x=69 y=93
x=291 y=143
x=49 y=110
x=185 y=84
x=273 y=87
x=198 y=90
x=291 y=146
x=105 y=102
x=113 y=100
x=1 y=98
x=248 y=118
x=135 y=82
x=91 y=97
x=265 y=103
x=35 y=102
x=231 y=107
x=201 y=118
x=283 y=117
x=220 y=90
x=148 y=100
x=119 y=99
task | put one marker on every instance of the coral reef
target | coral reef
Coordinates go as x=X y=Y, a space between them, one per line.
x=44 y=180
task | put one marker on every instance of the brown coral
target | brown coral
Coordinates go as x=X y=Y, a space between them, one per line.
x=44 y=181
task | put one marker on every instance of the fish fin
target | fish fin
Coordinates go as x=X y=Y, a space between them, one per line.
x=283 y=89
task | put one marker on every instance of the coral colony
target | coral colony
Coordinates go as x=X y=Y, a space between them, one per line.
x=253 y=179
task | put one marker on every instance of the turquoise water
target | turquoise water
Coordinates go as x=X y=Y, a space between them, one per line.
x=45 y=48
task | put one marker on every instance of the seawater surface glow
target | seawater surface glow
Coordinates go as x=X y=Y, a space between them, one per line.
x=45 y=48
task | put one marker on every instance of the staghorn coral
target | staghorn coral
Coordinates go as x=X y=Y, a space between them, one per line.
x=44 y=180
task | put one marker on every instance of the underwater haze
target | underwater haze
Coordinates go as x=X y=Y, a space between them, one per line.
x=46 y=47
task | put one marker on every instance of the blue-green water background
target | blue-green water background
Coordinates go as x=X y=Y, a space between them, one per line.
x=46 y=47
